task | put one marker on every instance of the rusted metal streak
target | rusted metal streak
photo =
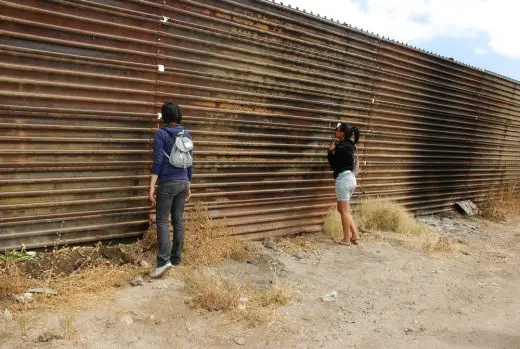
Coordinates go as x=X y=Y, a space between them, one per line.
x=73 y=98
x=206 y=163
x=108 y=129
x=421 y=119
x=74 y=86
x=62 y=179
x=143 y=16
x=272 y=24
x=174 y=47
x=432 y=143
x=71 y=240
x=37 y=38
x=116 y=10
x=72 y=140
x=74 y=58
x=84 y=215
x=99 y=190
x=470 y=90
x=257 y=220
x=306 y=92
x=67 y=203
x=325 y=119
x=202 y=88
x=478 y=139
x=81 y=215
x=63 y=219
x=305 y=226
x=431 y=97
x=63 y=230
x=80 y=31
x=149 y=93
x=422 y=101
x=273 y=33
x=69 y=112
x=424 y=151
x=86 y=74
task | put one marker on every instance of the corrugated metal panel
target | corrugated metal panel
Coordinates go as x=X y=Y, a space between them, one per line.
x=261 y=87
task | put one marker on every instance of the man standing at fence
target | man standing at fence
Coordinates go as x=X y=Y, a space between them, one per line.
x=172 y=167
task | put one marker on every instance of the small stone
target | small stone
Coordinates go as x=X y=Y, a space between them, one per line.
x=300 y=255
x=145 y=264
x=138 y=281
x=24 y=298
x=240 y=340
x=43 y=290
x=330 y=297
x=127 y=320
x=422 y=328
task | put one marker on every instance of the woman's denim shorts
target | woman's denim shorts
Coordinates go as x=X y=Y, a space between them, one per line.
x=345 y=186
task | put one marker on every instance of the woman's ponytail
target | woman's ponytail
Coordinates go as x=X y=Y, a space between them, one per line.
x=355 y=131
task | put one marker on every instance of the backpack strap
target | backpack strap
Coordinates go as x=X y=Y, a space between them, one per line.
x=181 y=133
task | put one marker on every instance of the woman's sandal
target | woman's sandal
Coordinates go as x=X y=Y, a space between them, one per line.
x=355 y=241
x=343 y=242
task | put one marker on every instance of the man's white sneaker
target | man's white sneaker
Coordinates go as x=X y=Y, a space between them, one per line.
x=161 y=270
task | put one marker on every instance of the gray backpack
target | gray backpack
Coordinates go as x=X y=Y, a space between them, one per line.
x=180 y=155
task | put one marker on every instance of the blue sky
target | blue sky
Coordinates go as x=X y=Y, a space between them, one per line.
x=482 y=33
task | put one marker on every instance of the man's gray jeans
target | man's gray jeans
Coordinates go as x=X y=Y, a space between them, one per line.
x=170 y=200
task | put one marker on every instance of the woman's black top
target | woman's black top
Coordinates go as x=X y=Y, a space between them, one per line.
x=342 y=158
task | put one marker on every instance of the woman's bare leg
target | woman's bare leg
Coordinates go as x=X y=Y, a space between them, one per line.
x=345 y=221
x=353 y=229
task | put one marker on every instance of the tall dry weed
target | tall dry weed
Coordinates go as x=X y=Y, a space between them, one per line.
x=503 y=206
x=212 y=291
x=332 y=224
x=386 y=215
x=12 y=281
x=207 y=242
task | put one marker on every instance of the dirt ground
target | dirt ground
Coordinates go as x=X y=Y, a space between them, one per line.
x=389 y=293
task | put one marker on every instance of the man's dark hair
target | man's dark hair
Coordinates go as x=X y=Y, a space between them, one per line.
x=171 y=112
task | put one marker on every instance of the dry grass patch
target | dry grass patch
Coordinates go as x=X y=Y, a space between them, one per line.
x=12 y=281
x=278 y=294
x=91 y=276
x=212 y=291
x=68 y=327
x=438 y=244
x=241 y=301
x=386 y=215
x=301 y=243
x=207 y=242
x=332 y=225
x=506 y=205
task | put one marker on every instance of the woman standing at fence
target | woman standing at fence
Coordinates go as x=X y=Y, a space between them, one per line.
x=342 y=159
x=174 y=175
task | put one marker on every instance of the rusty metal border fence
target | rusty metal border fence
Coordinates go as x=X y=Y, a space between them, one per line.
x=261 y=85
